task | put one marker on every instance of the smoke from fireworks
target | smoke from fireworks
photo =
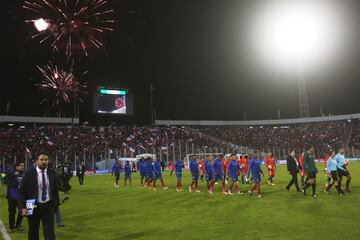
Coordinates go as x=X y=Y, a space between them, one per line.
x=71 y=25
x=60 y=86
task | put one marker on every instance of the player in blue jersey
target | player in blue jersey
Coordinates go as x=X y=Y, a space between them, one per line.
x=255 y=170
x=331 y=170
x=218 y=173
x=233 y=169
x=141 y=171
x=342 y=169
x=115 y=170
x=209 y=172
x=158 y=175
x=149 y=169
x=194 y=170
x=127 y=171
x=178 y=167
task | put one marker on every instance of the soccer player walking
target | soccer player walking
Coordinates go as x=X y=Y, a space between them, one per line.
x=202 y=169
x=141 y=170
x=158 y=175
x=310 y=170
x=127 y=171
x=233 y=167
x=301 y=169
x=194 y=170
x=244 y=168
x=116 y=169
x=209 y=172
x=342 y=170
x=331 y=168
x=270 y=164
x=149 y=170
x=178 y=167
x=255 y=170
x=217 y=175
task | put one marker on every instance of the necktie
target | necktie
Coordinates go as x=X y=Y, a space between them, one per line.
x=44 y=193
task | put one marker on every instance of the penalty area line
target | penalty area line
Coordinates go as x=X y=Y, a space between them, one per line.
x=4 y=232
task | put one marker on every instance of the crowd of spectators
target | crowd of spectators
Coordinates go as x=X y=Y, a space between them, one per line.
x=322 y=135
x=96 y=143
x=85 y=142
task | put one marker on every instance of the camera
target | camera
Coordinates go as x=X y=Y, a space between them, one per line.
x=63 y=176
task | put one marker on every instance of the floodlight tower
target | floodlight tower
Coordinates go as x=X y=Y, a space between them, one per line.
x=303 y=98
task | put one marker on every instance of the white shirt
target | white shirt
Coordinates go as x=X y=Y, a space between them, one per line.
x=40 y=185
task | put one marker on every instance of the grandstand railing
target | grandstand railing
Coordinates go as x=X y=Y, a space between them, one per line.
x=257 y=122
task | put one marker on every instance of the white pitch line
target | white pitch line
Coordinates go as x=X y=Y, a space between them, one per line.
x=3 y=231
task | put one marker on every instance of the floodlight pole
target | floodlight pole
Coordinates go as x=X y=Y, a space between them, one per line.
x=151 y=103
x=303 y=98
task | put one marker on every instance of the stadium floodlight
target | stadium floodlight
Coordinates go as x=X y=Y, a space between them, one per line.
x=295 y=35
x=290 y=33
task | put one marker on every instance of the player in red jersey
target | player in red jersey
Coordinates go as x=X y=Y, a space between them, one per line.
x=270 y=164
x=301 y=169
x=224 y=165
x=328 y=175
x=244 y=168
x=201 y=168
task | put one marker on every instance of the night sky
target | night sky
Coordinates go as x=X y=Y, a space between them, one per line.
x=195 y=54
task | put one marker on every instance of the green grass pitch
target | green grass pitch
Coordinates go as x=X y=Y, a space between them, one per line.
x=99 y=211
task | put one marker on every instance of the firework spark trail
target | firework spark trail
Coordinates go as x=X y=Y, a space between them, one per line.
x=59 y=85
x=73 y=26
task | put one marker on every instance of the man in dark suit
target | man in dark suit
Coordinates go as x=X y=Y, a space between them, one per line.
x=80 y=173
x=40 y=184
x=293 y=170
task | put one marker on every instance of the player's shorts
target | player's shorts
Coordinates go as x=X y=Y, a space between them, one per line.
x=158 y=175
x=271 y=172
x=195 y=176
x=178 y=176
x=334 y=175
x=142 y=174
x=234 y=177
x=127 y=175
x=217 y=177
x=311 y=175
x=342 y=173
x=117 y=175
x=244 y=170
x=150 y=175
x=208 y=177
x=257 y=179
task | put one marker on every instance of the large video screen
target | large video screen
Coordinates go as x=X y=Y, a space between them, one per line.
x=111 y=101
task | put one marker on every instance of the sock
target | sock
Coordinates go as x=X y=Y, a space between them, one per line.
x=306 y=186
x=258 y=189
x=338 y=188
x=347 y=184
x=313 y=188
x=329 y=186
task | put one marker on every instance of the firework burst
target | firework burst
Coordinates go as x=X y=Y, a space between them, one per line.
x=70 y=25
x=60 y=86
